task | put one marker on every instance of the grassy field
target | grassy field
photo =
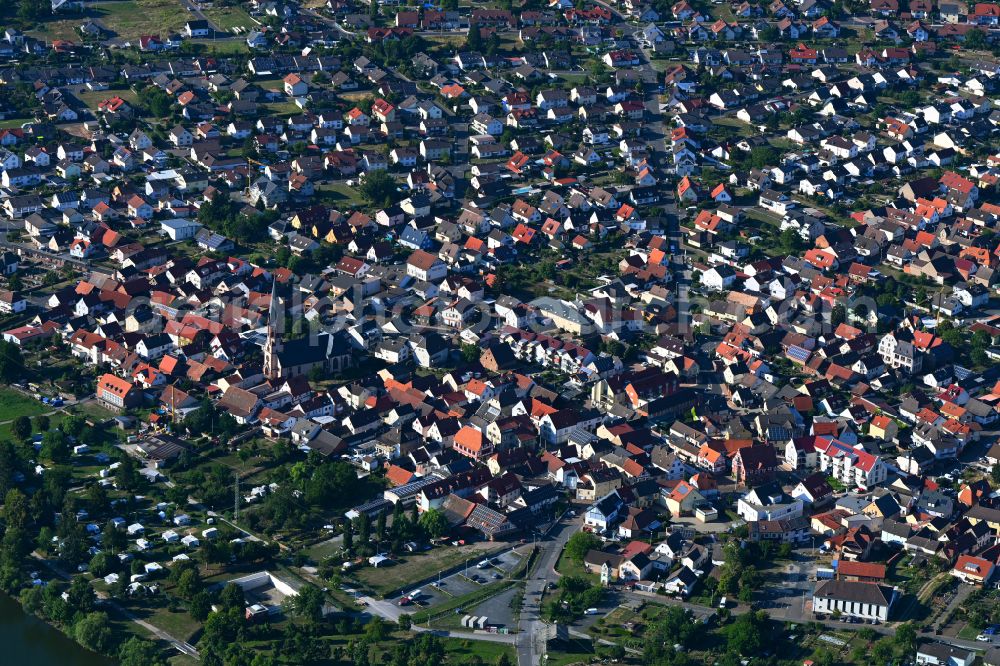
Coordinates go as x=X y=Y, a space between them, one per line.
x=94 y=97
x=340 y=194
x=180 y=624
x=730 y=121
x=567 y=567
x=763 y=216
x=14 y=404
x=227 y=18
x=222 y=46
x=133 y=18
x=129 y=19
x=572 y=651
x=417 y=567
x=93 y=411
x=282 y=108
x=14 y=122
x=61 y=29
x=459 y=649
x=448 y=41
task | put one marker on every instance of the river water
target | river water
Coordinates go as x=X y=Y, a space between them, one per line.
x=26 y=640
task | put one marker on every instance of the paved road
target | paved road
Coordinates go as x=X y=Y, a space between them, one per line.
x=658 y=131
x=531 y=637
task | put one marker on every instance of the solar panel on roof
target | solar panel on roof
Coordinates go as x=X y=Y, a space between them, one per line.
x=798 y=353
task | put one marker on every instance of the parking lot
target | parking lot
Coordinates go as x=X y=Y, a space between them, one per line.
x=460 y=583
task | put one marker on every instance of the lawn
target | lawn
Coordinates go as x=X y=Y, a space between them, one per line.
x=968 y=632
x=182 y=660
x=14 y=122
x=459 y=650
x=14 y=404
x=61 y=29
x=567 y=567
x=763 y=216
x=730 y=121
x=93 y=411
x=572 y=651
x=223 y=46
x=418 y=567
x=282 y=108
x=130 y=19
x=94 y=97
x=179 y=625
x=341 y=194
x=227 y=18
x=447 y=41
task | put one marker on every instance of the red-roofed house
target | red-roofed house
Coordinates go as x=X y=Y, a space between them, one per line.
x=973 y=570
x=117 y=393
x=472 y=443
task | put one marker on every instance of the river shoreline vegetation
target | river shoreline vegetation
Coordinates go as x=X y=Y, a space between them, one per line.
x=111 y=585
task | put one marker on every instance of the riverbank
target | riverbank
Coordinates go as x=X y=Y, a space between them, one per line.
x=28 y=640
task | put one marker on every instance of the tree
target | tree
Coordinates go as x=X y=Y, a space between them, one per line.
x=470 y=353
x=380 y=526
x=975 y=39
x=746 y=636
x=21 y=428
x=200 y=606
x=137 y=652
x=397 y=517
x=906 y=639
x=15 y=509
x=55 y=446
x=232 y=597
x=881 y=652
x=379 y=188
x=763 y=156
x=80 y=596
x=10 y=463
x=93 y=631
x=188 y=583
x=127 y=475
x=349 y=536
x=308 y=604
x=156 y=102
x=838 y=315
x=474 y=41
x=42 y=423
x=364 y=528
x=995 y=474
x=376 y=629
x=34 y=10
x=102 y=564
x=434 y=524
x=580 y=544
x=73 y=425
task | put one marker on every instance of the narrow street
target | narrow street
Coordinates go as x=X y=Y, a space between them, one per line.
x=531 y=636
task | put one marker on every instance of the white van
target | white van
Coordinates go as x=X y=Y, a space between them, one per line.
x=591 y=611
x=722 y=602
